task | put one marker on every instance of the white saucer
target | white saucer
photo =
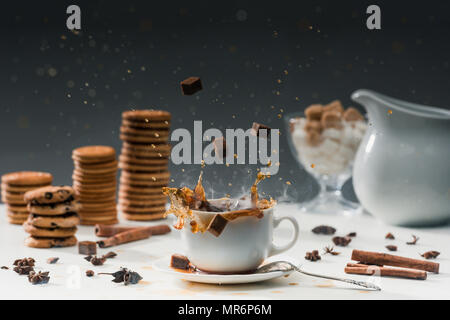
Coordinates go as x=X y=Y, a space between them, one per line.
x=163 y=265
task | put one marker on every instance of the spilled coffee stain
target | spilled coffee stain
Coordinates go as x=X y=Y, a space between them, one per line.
x=144 y=283
x=293 y=283
x=276 y=291
x=147 y=267
x=364 y=291
x=286 y=275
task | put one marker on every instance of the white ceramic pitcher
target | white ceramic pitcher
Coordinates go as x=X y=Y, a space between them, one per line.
x=402 y=168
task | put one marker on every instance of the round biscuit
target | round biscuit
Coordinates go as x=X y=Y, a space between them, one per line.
x=27 y=178
x=146 y=115
x=49 y=232
x=43 y=242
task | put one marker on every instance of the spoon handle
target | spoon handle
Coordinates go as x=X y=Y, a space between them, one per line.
x=357 y=283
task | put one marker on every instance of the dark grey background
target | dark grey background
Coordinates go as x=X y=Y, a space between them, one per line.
x=134 y=54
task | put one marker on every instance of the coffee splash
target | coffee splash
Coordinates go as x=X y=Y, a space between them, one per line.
x=184 y=203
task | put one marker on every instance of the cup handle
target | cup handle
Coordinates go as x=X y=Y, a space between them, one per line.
x=279 y=249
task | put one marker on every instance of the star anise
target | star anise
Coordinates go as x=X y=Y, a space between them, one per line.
x=313 y=256
x=330 y=250
x=126 y=276
x=24 y=262
x=23 y=269
x=38 y=278
x=431 y=254
x=414 y=240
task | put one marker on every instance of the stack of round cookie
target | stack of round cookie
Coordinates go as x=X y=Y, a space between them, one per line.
x=94 y=181
x=53 y=217
x=144 y=162
x=14 y=186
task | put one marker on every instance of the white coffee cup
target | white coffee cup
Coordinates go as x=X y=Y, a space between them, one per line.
x=241 y=247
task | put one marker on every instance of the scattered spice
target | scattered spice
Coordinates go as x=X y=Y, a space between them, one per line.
x=126 y=276
x=23 y=269
x=341 y=241
x=324 y=230
x=431 y=254
x=390 y=236
x=330 y=250
x=38 y=278
x=313 y=256
x=351 y=235
x=414 y=240
x=52 y=260
x=24 y=262
x=391 y=248
x=89 y=273
x=110 y=255
x=98 y=261
x=4 y=268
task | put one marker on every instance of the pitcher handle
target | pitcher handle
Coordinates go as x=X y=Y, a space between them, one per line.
x=279 y=249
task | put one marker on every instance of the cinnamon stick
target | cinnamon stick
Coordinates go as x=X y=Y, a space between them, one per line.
x=396 y=261
x=387 y=272
x=103 y=230
x=133 y=235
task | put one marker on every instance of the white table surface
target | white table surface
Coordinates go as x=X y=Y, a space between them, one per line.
x=140 y=255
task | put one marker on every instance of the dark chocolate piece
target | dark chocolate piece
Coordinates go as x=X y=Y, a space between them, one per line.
x=191 y=85
x=89 y=273
x=217 y=225
x=391 y=248
x=352 y=234
x=312 y=256
x=87 y=247
x=179 y=261
x=258 y=126
x=390 y=236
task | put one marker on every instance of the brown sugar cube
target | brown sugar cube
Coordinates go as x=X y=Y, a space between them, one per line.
x=335 y=105
x=191 y=85
x=87 y=247
x=258 y=126
x=351 y=114
x=179 y=261
x=313 y=138
x=314 y=112
x=313 y=125
x=331 y=119
x=217 y=225
x=220 y=147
